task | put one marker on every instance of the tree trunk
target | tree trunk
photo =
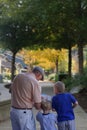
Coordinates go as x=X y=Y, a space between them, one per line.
x=80 y=41
x=56 y=65
x=70 y=61
x=13 y=67
x=80 y=57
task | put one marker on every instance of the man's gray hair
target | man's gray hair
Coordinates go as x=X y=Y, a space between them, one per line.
x=38 y=69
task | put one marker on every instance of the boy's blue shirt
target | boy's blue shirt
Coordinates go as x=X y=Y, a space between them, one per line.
x=62 y=103
x=47 y=121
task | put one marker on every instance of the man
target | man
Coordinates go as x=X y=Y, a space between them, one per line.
x=26 y=94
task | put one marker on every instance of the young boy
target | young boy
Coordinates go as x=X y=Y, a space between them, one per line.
x=63 y=103
x=47 y=119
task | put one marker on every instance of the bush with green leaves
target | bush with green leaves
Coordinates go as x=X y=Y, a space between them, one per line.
x=51 y=77
x=68 y=83
x=83 y=79
x=76 y=80
x=56 y=77
x=7 y=77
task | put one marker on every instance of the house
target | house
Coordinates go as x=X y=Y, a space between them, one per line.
x=6 y=61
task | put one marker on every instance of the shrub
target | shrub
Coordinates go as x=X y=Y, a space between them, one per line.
x=77 y=80
x=51 y=77
x=56 y=77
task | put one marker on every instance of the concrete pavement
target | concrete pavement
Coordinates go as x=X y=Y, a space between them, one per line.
x=4 y=93
x=81 y=121
x=81 y=116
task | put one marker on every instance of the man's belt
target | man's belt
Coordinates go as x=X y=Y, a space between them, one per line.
x=22 y=108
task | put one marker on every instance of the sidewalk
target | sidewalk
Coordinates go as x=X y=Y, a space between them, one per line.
x=81 y=116
x=81 y=121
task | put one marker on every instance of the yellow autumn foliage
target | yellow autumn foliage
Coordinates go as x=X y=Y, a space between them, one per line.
x=45 y=58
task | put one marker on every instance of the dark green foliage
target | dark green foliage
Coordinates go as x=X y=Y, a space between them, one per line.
x=63 y=76
x=76 y=80
x=71 y=83
x=83 y=78
x=56 y=77
x=48 y=23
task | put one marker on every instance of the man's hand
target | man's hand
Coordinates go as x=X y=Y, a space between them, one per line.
x=37 y=106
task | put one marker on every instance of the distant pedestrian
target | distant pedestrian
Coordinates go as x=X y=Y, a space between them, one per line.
x=46 y=118
x=63 y=103
x=25 y=94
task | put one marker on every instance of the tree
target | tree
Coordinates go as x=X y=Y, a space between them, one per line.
x=45 y=23
x=15 y=32
x=61 y=30
x=80 y=8
x=58 y=14
x=46 y=58
x=14 y=37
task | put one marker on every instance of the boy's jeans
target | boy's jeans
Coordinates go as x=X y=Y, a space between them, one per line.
x=66 y=125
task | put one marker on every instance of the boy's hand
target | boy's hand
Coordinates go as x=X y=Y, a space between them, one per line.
x=75 y=104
